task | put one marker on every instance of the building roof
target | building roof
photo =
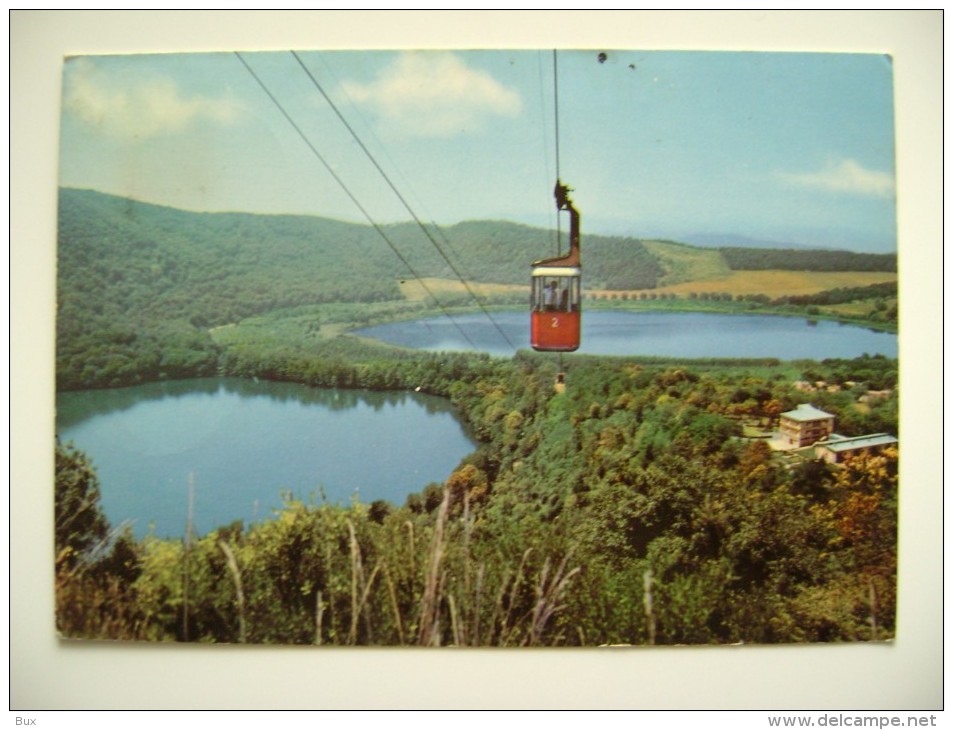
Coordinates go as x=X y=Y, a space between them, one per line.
x=843 y=443
x=806 y=412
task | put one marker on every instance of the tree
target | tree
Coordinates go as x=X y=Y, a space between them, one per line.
x=772 y=410
x=80 y=525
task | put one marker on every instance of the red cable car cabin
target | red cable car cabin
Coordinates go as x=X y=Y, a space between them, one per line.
x=556 y=317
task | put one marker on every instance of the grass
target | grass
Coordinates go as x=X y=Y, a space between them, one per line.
x=453 y=584
x=858 y=308
x=774 y=283
x=687 y=263
x=309 y=328
x=416 y=290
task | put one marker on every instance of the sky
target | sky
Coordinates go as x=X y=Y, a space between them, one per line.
x=795 y=148
x=37 y=49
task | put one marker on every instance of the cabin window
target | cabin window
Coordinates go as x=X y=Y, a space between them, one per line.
x=556 y=293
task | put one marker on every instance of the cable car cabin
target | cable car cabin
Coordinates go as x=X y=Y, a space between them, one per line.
x=556 y=316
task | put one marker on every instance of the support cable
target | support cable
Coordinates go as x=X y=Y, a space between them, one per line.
x=556 y=107
x=356 y=202
x=544 y=118
x=405 y=183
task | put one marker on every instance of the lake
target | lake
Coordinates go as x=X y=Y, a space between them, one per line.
x=672 y=334
x=243 y=442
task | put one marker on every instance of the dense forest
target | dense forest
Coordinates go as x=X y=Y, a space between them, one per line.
x=629 y=509
x=886 y=290
x=141 y=288
x=139 y=285
x=642 y=505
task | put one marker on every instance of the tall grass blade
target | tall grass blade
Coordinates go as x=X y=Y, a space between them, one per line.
x=430 y=603
x=239 y=593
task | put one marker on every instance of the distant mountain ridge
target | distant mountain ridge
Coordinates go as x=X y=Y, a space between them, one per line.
x=140 y=286
x=150 y=258
x=730 y=240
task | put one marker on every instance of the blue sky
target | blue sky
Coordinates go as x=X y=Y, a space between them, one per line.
x=790 y=147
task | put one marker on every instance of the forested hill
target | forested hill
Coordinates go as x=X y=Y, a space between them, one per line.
x=306 y=259
x=796 y=259
x=140 y=285
x=225 y=266
x=641 y=504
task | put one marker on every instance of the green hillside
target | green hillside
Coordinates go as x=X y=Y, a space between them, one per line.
x=795 y=259
x=683 y=263
x=140 y=286
x=642 y=504
x=120 y=257
x=629 y=509
x=225 y=266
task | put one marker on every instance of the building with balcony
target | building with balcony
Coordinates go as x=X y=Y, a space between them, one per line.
x=805 y=426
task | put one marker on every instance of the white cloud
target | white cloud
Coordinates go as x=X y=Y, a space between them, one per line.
x=846 y=176
x=435 y=94
x=137 y=108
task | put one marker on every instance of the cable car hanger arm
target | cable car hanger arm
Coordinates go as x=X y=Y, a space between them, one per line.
x=563 y=202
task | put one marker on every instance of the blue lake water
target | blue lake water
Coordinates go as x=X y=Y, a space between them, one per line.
x=243 y=442
x=673 y=334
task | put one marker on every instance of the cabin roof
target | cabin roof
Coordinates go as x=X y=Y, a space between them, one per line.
x=807 y=412
x=555 y=270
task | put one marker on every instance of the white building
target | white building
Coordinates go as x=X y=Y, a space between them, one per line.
x=805 y=425
x=836 y=448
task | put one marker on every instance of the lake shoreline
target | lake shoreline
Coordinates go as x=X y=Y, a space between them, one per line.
x=638 y=332
x=670 y=305
x=249 y=445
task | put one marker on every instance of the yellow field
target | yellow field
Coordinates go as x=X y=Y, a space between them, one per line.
x=774 y=283
x=415 y=291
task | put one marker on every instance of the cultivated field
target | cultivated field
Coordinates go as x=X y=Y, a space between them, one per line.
x=773 y=283
x=415 y=290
